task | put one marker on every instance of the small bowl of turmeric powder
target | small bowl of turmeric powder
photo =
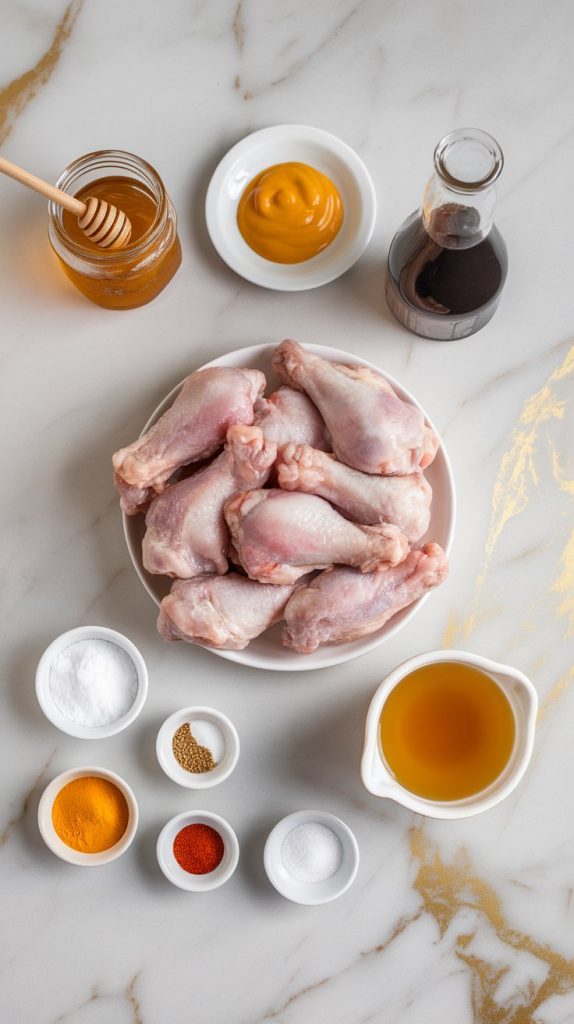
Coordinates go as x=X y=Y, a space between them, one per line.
x=88 y=816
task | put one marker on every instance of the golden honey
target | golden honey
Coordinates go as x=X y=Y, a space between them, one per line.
x=134 y=275
x=447 y=731
x=127 y=194
x=289 y=213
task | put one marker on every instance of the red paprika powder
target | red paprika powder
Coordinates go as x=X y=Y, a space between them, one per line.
x=198 y=849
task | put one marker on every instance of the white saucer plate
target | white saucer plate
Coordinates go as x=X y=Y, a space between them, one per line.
x=280 y=144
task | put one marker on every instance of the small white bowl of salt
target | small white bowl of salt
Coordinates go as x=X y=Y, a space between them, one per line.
x=91 y=682
x=311 y=857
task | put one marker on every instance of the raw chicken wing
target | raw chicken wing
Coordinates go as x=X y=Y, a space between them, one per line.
x=342 y=604
x=279 y=536
x=288 y=415
x=193 y=428
x=221 y=611
x=402 y=500
x=186 y=533
x=372 y=429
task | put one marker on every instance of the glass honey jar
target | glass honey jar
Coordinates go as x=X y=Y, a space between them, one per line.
x=134 y=275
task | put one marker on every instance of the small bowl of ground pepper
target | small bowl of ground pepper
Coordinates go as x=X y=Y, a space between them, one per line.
x=88 y=816
x=198 y=747
x=197 y=851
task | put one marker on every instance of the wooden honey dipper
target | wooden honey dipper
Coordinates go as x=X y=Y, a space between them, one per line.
x=101 y=222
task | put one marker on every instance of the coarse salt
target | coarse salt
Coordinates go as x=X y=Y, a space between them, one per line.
x=311 y=852
x=93 y=682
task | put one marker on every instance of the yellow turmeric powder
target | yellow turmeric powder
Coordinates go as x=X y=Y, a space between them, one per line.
x=90 y=814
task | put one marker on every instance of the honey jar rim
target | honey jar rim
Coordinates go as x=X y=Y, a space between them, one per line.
x=111 y=159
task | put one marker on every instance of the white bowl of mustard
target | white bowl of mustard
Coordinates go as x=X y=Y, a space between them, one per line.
x=514 y=699
x=334 y=192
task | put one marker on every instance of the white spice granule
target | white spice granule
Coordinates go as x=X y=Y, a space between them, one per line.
x=311 y=852
x=93 y=682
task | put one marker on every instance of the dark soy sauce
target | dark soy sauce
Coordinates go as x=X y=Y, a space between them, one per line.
x=444 y=291
x=447 y=265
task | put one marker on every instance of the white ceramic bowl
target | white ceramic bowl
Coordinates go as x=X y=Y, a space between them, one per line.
x=279 y=144
x=51 y=837
x=183 y=879
x=44 y=696
x=225 y=764
x=523 y=700
x=267 y=651
x=311 y=893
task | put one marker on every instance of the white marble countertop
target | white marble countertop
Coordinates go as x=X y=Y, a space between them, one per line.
x=469 y=921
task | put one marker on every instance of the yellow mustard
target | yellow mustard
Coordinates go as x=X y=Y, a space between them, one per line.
x=289 y=212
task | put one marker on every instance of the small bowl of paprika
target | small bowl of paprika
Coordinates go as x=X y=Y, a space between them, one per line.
x=88 y=816
x=197 y=851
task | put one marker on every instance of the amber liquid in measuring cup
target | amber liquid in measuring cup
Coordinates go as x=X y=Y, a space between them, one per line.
x=447 y=731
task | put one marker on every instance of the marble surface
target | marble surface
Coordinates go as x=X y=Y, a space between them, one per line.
x=469 y=921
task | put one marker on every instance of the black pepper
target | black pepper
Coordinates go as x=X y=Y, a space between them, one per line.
x=190 y=754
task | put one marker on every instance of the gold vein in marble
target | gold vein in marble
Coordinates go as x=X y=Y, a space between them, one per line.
x=447 y=890
x=302 y=62
x=516 y=475
x=402 y=924
x=558 y=473
x=15 y=97
x=128 y=995
x=12 y=824
x=557 y=691
x=564 y=586
x=238 y=27
x=450 y=635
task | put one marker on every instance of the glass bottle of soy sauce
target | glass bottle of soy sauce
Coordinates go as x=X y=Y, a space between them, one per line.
x=448 y=262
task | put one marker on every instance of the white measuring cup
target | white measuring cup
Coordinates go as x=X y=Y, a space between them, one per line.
x=523 y=700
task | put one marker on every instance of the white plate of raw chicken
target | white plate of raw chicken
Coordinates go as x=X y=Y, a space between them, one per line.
x=267 y=650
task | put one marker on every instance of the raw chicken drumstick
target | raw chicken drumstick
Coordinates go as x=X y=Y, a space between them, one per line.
x=221 y=611
x=342 y=604
x=372 y=429
x=186 y=533
x=278 y=536
x=402 y=500
x=288 y=415
x=195 y=426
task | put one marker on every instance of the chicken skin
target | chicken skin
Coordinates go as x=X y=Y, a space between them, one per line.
x=371 y=428
x=186 y=534
x=193 y=428
x=288 y=415
x=402 y=500
x=225 y=612
x=278 y=536
x=342 y=604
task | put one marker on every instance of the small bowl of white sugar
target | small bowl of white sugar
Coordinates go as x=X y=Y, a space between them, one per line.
x=311 y=857
x=91 y=682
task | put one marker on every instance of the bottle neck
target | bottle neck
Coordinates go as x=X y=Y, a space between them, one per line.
x=459 y=200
